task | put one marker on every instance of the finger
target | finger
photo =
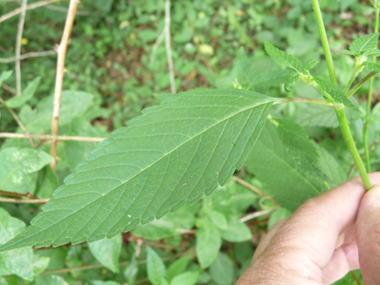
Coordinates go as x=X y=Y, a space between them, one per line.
x=310 y=235
x=263 y=244
x=344 y=259
x=368 y=236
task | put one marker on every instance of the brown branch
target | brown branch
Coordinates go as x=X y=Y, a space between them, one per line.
x=123 y=263
x=21 y=125
x=59 y=77
x=49 y=137
x=28 y=55
x=14 y=194
x=255 y=215
x=21 y=201
x=9 y=89
x=18 y=46
x=254 y=189
x=29 y=7
x=362 y=156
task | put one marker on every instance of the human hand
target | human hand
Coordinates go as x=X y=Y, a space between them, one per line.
x=325 y=238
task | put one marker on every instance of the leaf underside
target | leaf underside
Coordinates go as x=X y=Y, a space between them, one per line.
x=172 y=154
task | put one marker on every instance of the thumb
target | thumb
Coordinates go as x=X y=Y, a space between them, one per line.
x=368 y=236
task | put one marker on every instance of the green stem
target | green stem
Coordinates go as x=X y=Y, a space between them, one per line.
x=325 y=43
x=341 y=114
x=304 y=100
x=350 y=83
x=361 y=83
x=369 y=99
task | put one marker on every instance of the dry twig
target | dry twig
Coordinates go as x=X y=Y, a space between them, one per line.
x=49 y=137
x=29 y=7
x=21 y=201
x=18 y=46
x=59 y=77
x=21 y=125
x=28 y=55
x=155 y=46
x=254 y=189
x=255 y=215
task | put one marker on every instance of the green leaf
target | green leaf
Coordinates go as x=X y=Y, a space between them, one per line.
x=5 y=75
x=171 y=155
x=310 y=64
x=331 y=168
x=291 y=80
x=282 y=57
x=208 y=245
x=40 y=263
x=218 y=219
x=277 y=215
x=297 y=143
x=374 y=52
x=321 y=116
x=177 y=267
x=27 y=94
x=18 y=261
x=49 y=280
x=156 y=268
x=365 y=43
x=18 y=168
x=107 y=252
x=347 y=52
x=131 y=271
x=237 y=231
x=72 y=103
x=292 y=185
x=188 y=278
x=373 y=66
x=222 y=270
x=335 y=92
x=249 y=76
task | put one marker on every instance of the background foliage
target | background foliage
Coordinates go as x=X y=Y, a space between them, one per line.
x=113 y=76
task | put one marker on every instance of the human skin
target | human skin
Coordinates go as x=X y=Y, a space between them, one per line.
x=327 y=236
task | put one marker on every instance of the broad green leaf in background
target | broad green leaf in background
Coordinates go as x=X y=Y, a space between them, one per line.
x=365 y=43
x=335 y=92
x=40 y=263
x=3 y=281
x=347 y=52
x=375 y=52
x=18 y=261
x=208 y=245
x=291 y=80
x=222 y=270
x=177 y=267
x=27 y=94
x=331 y=168
x=187 y=278
x=156 y=268
x=282 y=57
x=277 y=215
x=321 y=116
x=218 y=219
x=373 y=66
x=18 y=168
x=107 y=252
x=237 y=231
x=171 y=155
x=249 y=76
x=73 y=103
x=281 y=176
x=48 y=280
x=298 y=145
x=131 y=270
x=5 y=75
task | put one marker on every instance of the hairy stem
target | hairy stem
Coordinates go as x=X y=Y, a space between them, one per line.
x=369 y=100
x=341 y=114
x=325 y=43
x=304 y=100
